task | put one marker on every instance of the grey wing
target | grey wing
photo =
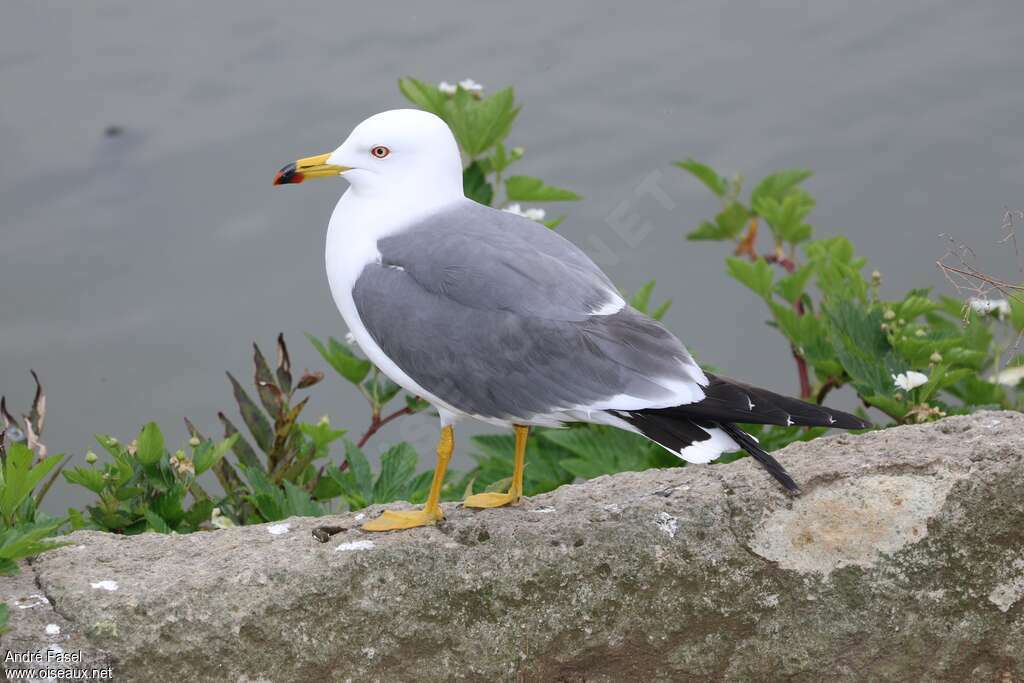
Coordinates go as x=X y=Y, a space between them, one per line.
x=494 y=260
x=504 y=328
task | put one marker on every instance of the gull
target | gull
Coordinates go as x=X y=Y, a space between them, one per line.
x=489 y=315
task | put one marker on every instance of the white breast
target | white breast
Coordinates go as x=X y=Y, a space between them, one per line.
x=352 y=237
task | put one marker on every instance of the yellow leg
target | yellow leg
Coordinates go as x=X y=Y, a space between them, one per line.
x=515 y=492
x=391 y=520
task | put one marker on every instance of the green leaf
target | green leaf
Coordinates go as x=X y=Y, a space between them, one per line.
x=150 y=444
x=475 y=185
x=642 y=299
x=478 y=125
x=89 y=478
x=241 y=448
x=268 y=499
x=890 y=406
x=777 y=185
x=756 y=275
x=523 y=188
x=661 y=310
x=543 y=471
x=26 y=540
x=913 y=306
x=554 y=222
x=424 y=95
x=416 y=404
x=20 y=478
x=1016 y=300
x=298 y=502
x=198 y=513
x=397 y=467
x=785 y=216
x=861 y=346
x=340 y=358
x=156 y=522
x=207 y=455
x=359 y=466
x=707 y=175
x=255 y=420
x=729 y=223
x=604 y=450
x=791 y=287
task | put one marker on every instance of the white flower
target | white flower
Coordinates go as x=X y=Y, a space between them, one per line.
x=1011 y=377
x=469 y=85
x=998 y=307
x=446 y=87
x=909 y=380
x=532 y=214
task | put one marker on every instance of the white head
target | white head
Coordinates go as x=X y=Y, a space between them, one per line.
x=400 y=150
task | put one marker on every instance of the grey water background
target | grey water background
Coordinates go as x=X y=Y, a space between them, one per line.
x=135 y=269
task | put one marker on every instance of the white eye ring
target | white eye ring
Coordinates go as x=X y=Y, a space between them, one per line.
x=380 y=151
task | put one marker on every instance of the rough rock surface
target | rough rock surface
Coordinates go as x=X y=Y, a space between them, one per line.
x=902 y=560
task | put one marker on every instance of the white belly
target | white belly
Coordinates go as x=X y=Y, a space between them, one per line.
x=351 y=245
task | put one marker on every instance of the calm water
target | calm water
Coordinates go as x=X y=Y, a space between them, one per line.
x=135 y=269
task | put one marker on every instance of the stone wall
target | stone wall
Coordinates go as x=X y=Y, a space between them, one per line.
x=902 y=560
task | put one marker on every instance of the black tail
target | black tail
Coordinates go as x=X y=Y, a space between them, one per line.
x=727 y=402
x=751 y=446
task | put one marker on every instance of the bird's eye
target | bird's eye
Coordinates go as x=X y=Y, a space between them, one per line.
x=380 y=151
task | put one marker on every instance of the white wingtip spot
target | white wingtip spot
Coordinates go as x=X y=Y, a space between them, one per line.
x=789 y=421
x=612 y=307
x=750 y=404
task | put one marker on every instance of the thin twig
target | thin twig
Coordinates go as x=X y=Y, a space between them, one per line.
x=830 y=384
x=379 y=422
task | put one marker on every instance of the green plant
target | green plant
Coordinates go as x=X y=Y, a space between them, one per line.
x=29 y=432
x=910 y=357
x=145 y=486
x=280 y=477
x=481 y=126
x=376 y=388
x=22 y=526
x=19 y=500
x=23 y=541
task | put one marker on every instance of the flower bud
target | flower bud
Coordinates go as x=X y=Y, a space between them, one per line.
x=90 y=457
x=194 y=441
x=889 y=314
x=920 y=333
x=936 y=357
x=876 y=277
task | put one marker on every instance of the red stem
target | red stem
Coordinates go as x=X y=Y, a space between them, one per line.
x=379 y=422
x=801 y=364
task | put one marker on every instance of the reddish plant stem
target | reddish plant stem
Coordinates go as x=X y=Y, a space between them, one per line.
x=801 y=363
x=830 y=384
x=377 y=422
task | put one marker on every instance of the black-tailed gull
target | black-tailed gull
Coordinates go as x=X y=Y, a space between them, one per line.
x=489 y=315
